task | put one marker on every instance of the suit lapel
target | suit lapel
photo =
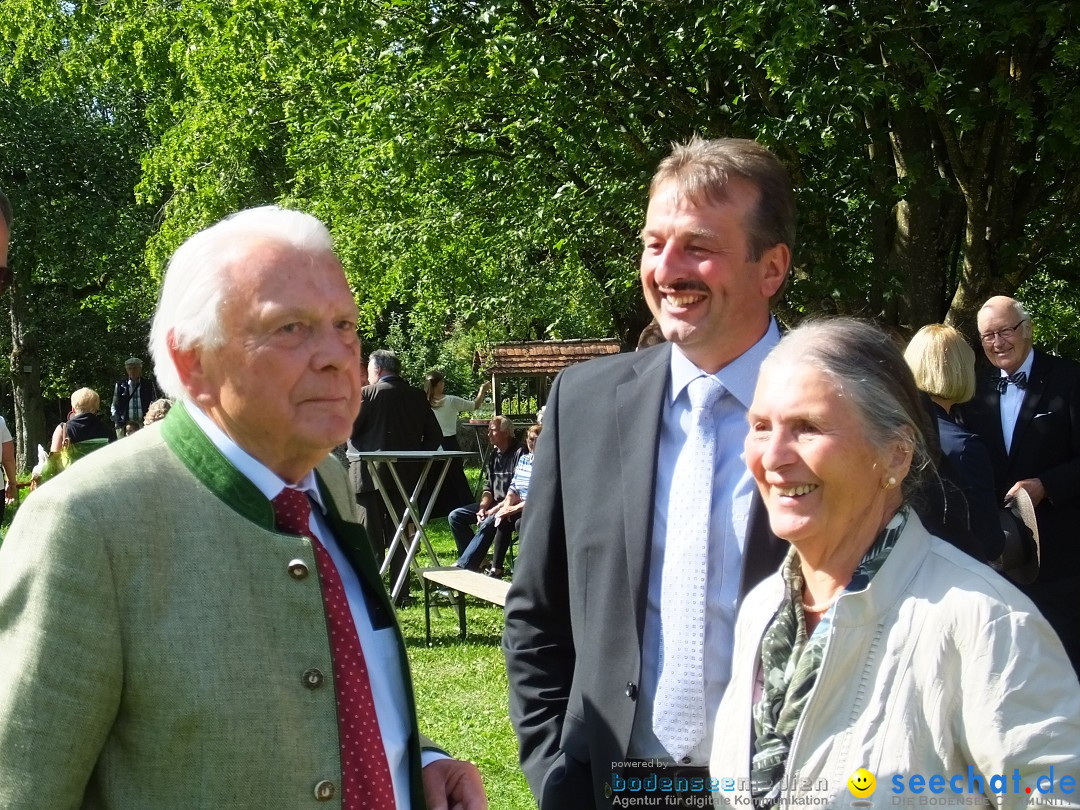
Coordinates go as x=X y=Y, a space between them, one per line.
x=1032 y=396
x=639 y=405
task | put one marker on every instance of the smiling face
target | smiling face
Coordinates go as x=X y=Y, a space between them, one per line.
x=825 y=484
x=705 y=292
x=862 y=783
x=285 y=385
x=1006 y=353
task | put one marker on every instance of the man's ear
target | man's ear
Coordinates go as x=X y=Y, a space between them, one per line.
x=189 y=368
x=774 y=268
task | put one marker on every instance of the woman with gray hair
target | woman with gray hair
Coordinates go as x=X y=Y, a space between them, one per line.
x=878 y=651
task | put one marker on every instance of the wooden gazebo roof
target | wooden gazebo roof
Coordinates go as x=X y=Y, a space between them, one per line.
x=529 y=358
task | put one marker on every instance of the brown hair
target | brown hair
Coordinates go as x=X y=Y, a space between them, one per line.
x=703 y=170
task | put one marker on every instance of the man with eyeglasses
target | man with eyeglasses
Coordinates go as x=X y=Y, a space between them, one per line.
x=1027 y=410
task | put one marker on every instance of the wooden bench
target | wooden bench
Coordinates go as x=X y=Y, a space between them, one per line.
x=460 y=582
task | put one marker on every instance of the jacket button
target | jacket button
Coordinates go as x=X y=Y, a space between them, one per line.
x=298 y=569
x=325 y=790
x=631 y=690
x=607 y=790
x=313 y=678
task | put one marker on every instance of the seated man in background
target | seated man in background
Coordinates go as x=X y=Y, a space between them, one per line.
x=473 y=526
x=508 y=514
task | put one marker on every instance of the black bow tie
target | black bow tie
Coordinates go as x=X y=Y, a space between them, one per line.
x=1019 y=379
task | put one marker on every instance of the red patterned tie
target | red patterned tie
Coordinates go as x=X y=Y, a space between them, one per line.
x=366 y=783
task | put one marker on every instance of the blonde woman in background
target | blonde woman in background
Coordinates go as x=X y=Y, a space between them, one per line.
x=944 y=368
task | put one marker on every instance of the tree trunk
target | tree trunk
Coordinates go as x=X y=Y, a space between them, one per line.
x=30 y=428
x=926 y=226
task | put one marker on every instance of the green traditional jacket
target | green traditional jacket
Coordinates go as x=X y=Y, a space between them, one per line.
x=160 y=646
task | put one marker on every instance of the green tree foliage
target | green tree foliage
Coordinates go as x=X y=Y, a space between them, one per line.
x=81 y=299
x=483 y=165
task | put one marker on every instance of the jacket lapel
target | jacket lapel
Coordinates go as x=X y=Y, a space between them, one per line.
x=639 y=405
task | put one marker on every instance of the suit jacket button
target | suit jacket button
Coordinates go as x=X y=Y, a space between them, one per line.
x=313 y=678
x=298 y=569
x=631 y=690
x=325 y=790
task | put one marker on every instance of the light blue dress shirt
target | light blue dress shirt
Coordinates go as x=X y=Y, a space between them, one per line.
x=1012 y=400
x=733 y=488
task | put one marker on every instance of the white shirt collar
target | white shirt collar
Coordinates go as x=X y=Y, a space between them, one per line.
x=739 y=377
x=265 y=480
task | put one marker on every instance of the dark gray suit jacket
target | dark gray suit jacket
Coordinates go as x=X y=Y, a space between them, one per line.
x=393 y=416
x=576 y=610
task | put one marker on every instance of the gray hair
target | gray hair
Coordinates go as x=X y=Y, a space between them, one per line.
x=196 y=281
x=385 y=361
x=5 y=210
x=867 y=366
x=1017 y=307
x=504 y=425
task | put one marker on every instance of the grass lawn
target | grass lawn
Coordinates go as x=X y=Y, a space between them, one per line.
x=461 y=689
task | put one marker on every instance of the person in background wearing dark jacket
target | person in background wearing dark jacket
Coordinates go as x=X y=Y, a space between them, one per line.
x=944 y=368
x=84 y=422
x=131 y=397
x=1026 y=408
x=393 y=416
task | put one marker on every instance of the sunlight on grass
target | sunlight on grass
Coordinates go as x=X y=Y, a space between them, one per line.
x=461 y=689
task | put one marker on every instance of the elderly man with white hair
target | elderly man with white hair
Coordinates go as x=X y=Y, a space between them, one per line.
x=192 y=617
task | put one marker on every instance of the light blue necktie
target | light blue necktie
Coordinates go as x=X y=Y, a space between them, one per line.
x=679 y=709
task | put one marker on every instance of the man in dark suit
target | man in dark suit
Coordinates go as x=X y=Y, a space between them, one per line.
x=1027 y=411
x=131 y=397
x=393 y=416
x=592 y=608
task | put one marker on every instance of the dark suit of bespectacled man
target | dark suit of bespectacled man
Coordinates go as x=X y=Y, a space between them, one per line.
x=1026 y=409
x=585 y=633
x=393 y=416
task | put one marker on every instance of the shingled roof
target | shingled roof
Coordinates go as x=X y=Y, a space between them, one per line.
x=543 y=356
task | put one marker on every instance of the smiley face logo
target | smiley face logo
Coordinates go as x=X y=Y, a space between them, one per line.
x=862 y=783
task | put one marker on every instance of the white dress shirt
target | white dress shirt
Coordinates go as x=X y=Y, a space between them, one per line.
x=731 y=498
x=380 y=646
x=1011 y=401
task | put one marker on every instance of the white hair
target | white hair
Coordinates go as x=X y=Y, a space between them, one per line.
x=188 y=311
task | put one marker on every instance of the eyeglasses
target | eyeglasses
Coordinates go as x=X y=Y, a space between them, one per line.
x=1004 y=334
